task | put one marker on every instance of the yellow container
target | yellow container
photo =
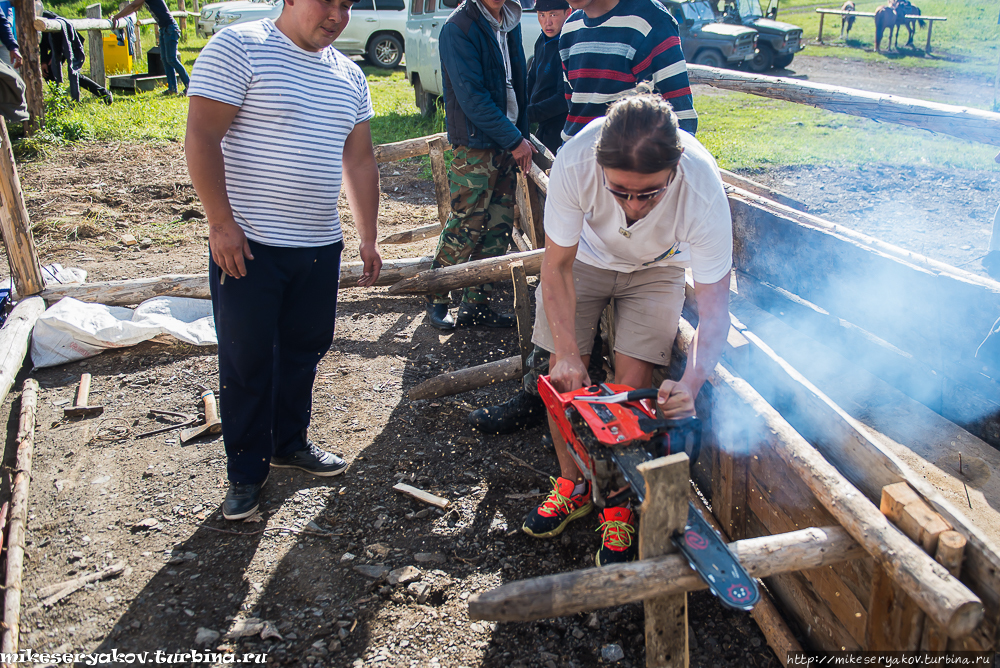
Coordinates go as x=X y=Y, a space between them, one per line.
x=117 y=59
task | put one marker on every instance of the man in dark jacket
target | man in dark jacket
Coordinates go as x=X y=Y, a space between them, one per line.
x=546 y=91
x=483 y=72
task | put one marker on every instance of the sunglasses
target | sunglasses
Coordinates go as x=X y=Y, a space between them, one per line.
x=638 y=197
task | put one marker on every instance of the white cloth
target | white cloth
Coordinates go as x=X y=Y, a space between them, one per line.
x=690 y=226
x=284 y=149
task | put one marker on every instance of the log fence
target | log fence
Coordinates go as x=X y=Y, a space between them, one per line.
x=870 y=15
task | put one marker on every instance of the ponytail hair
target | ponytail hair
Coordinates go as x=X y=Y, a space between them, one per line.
x=639 y=133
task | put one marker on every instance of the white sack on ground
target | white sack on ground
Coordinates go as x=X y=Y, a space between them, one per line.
x=71 y=330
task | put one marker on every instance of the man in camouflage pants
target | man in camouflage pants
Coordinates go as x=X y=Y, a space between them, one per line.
x=484 y=73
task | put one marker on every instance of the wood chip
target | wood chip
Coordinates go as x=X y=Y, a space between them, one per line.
x=421 y=495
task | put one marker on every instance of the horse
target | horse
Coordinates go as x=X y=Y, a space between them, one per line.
x=885 y=17
x=846 y=22
x=905 y=8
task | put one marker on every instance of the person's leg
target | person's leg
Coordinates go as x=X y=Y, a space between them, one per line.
x=499 y=222
x=174 y=59
x=95 y=88
x=168 y=45
x=305 y=333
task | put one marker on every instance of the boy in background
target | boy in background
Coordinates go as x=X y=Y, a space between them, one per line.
x=546 y=91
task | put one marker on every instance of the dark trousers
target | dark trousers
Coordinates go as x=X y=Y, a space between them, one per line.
x=273 y=325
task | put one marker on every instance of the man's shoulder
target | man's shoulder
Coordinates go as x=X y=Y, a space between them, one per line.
x=464 y=16
x=250 y=34
x=699 y=165
x=578 y=151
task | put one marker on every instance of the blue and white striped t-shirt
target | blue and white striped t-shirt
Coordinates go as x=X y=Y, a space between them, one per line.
x=284 y=149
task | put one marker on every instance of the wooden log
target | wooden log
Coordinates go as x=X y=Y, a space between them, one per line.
x=182 y=21
x=522 y=310
x=937 y=592
x=18 y=518
x=544 y=158
x=95 y=46
x=534 y=217
x=950 y=552
x=414 y=234
x=664 y=513
x=408 y=148
x=134 y=291
x=520 y=242
x=31 y=68
x=617 y=584
x=442 y=189
x=540 y=178
x=14 y=338
x=471 y=378
x=468 y=274
x=42 y=24
x=15 y=226
x=761 y=190
x=422 y=496
x=962 y=122
x=57 y=592
x=774 y=627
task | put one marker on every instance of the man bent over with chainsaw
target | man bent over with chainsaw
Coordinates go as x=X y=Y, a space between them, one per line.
x=632 y=201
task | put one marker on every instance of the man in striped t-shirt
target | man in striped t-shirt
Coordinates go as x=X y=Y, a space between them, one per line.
x=278 y=120
x=609 y=46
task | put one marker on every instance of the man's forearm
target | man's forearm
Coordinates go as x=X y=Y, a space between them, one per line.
x=207 y=168
x=559 y=296
x=361 y=185
x=128 y=9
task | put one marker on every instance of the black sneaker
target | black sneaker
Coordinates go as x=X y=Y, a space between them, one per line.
x=482 y=314
x=242 y=500
x=522 y=411
x=559 y=509
x=618 y=526
x=439 y=318
x=312 y=459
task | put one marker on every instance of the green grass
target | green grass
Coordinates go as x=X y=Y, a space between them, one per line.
x=749 y=132
x=969 y=40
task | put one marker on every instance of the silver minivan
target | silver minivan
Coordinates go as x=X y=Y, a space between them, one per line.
x=423 y=63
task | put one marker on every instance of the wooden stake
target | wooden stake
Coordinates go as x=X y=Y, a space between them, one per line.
x=532 y=217
x=664 y=513
x=519 y=241
x=31 y=68
x=182 y=20
x=54 y=593
x=472 y=378
x=95 y=46
x=617 y=584
x=442 y=189
x=522 y=310
x=408 y=148
x=415 y=234
x=15 y=226
x=14 y=338
x=19 y=517
x=468 y=274
x=422 y=496
x=950 y=552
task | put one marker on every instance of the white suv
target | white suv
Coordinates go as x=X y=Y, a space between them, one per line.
x=375 y=30
x=423 y=62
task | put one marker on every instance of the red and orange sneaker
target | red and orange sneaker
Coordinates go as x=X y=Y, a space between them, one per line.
x=618 y=525
x=558 y=510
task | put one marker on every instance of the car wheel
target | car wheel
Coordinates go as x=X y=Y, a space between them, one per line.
x=385 y=51
x=426 y=102
x=710 y=58
x=784 y=61
x=763 y=59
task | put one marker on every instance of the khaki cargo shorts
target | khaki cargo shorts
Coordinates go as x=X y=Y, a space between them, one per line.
x=648 y=305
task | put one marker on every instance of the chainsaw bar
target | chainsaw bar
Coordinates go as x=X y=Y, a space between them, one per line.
x=704 y=549
x=716 y=564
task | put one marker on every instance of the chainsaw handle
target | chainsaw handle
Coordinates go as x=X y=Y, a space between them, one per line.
x=644 y=393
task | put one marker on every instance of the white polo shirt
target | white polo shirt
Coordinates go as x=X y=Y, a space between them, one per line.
x=690 y=226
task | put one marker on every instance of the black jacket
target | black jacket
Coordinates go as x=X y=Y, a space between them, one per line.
x=475 y=82
x=547 y=93
x=57 y=48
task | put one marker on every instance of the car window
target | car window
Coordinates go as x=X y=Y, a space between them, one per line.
x=527 y=4
x=391 y=5
x=698 y=11
x=749 y=8
x=417 y=7
x=363 y=4
x=449 y=4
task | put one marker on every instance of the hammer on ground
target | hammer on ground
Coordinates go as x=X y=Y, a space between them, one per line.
x=212 y=424
x=80 y=408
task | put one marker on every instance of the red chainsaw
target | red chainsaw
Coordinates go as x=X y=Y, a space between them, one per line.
x=611 y=429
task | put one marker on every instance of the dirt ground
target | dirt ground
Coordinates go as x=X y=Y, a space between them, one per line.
x=315 y=566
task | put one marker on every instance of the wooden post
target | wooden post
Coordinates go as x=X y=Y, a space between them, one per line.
x=950 y=553
x=930 y=27
x=534 y=201
x=442 y=190
x=95 y=46
x=414 y=234
x=664 y=513
x=31 y=69
x=522 y=309
x=14 y=338
x=182 y=20
x=196 y=8
x=820 y=37
x=14 y=224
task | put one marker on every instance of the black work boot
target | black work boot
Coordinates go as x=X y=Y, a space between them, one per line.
x=438 y=316
x=522 y=411
x=482 y=314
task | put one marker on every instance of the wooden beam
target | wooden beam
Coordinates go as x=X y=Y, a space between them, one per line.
x=761 y=190
x=134 y=291
x=442 y=189
x=544 y=158
x=408 y=148
x=941 y=596
x=664 y=513
x=42 y=24
x=95 y=46
x=15 y=226
x=182 y=21
x=414 y=234
x=471 y=378
x=520 y=242
x=950 y=552
x=31 y=69
x=522 y=310
x=14 y=338
x=467 y=274
x=10 y=640
x=617 y=584
x=962 y=122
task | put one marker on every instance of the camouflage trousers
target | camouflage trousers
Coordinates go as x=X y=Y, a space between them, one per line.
x=482 y=214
